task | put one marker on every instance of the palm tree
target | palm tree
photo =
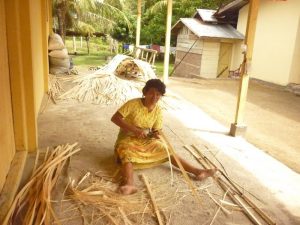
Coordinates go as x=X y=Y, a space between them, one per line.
x=99 y=14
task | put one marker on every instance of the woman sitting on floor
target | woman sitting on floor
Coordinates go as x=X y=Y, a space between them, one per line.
x=139 y=144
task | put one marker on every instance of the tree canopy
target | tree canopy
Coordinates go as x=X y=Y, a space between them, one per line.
x=118 y=17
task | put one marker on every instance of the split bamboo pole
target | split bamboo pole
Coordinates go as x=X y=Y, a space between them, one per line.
x=237 y=189
x=184 y=173
x=207 y=163
x=237 y=200
x=155 y=207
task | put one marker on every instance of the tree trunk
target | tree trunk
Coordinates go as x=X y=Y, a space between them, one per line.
x=61 y=15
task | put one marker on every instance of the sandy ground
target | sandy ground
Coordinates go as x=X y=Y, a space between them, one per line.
x=271 y=114
x=90 y=126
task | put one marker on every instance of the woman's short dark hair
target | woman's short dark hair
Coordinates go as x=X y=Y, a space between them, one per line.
x=155 y=83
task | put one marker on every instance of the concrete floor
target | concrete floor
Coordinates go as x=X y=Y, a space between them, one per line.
x=184 y=124
x=271 y=113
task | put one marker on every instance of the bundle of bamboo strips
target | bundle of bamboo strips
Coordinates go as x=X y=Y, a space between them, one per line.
x=240 y=200
x=103 y=88
x=55 y=88
x=33 y=202
x=95 y=199
x=54 y=91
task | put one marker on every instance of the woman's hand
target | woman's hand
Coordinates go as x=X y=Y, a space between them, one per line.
x=139 y=132
x=155 y=134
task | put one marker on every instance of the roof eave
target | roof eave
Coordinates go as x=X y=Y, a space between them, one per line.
x=231 y=7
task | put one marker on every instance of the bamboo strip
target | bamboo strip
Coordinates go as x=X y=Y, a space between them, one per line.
x=125 y=218
x=35 y=161
x=186 y=177
x=236 y=199
x=215 y=216
x=220 y=205
x=82 y=179
x=37 y=192
x=156 y=210
x=246 y=199
x=199 y=159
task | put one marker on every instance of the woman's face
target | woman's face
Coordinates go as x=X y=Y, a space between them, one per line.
x=152 y=95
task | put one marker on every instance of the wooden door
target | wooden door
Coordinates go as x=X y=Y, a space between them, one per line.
x=7 y=143
x=224 y=59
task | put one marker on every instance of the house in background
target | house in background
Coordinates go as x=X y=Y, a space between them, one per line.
x=276 y=48
x=206 y=46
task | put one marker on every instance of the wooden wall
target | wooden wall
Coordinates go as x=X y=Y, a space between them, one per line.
x=191 y=63
x=189 y=66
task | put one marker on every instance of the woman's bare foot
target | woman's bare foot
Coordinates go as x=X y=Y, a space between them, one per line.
x=203 y=174
x=127 y=189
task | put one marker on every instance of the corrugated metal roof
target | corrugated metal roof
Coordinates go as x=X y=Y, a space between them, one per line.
x=209 y=30
x=207 y=15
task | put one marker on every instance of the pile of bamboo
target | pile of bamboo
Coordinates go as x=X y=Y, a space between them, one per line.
x=240 y=199
x=94 y=200
x=55 y=88
x=103 y=88
x=32 y=205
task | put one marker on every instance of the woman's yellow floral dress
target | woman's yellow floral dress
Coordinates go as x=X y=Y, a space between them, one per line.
x=141 y=152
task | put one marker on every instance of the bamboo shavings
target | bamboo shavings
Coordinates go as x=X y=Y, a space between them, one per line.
x=103 y=88
x=93 y=193
x=55 y=88
x=35 y=196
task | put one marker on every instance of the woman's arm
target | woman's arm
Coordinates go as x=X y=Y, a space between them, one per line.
x=118 y=119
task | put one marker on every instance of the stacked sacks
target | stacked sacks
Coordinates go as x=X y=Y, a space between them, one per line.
x=59 y=60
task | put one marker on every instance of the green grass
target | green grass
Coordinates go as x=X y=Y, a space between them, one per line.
x=88 y=60
x=99 y=52
x=160 y=68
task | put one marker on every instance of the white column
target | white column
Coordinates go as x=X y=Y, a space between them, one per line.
x=167 y=42
x=138 y=23
x=74 y=44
